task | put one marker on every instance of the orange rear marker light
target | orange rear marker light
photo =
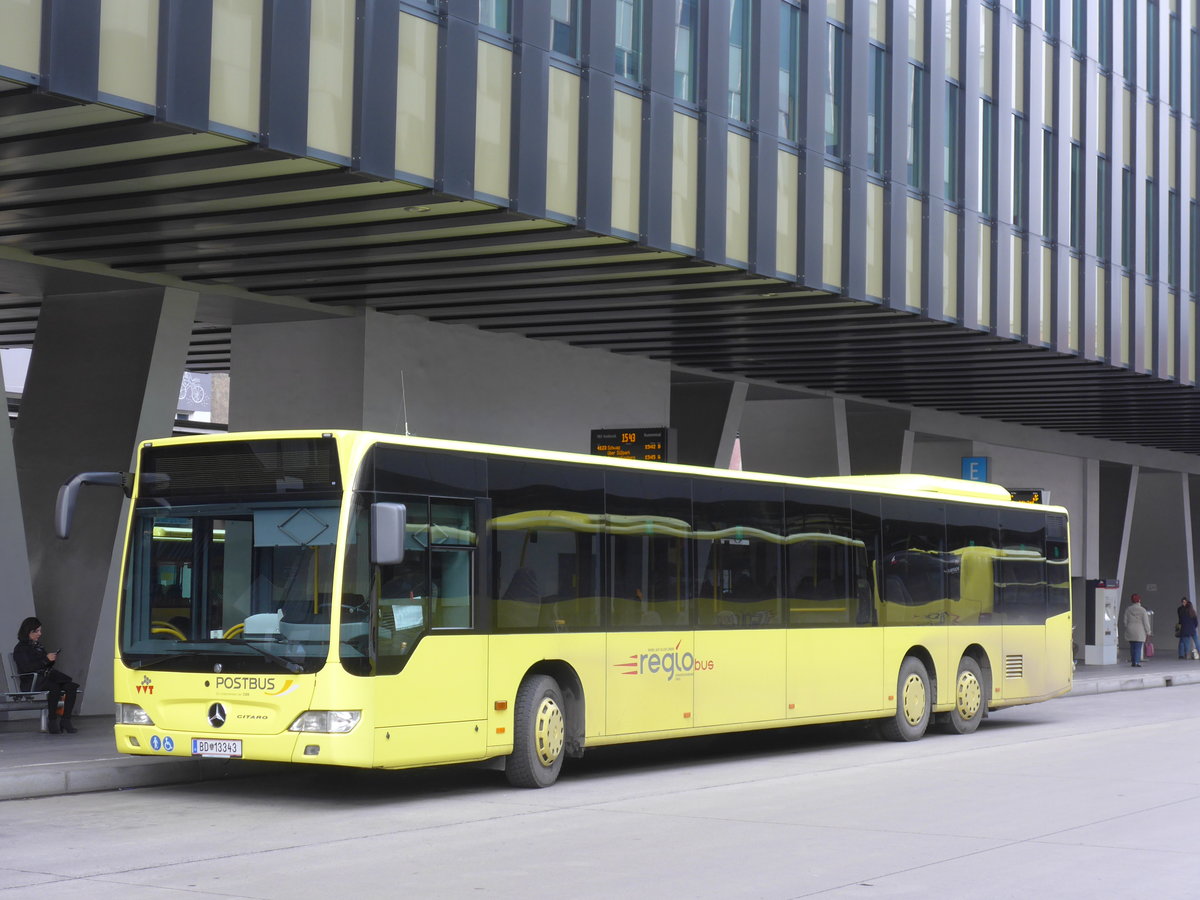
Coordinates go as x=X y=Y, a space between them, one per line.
x=501 y=705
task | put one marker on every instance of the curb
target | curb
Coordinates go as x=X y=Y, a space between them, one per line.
x=1133 y=683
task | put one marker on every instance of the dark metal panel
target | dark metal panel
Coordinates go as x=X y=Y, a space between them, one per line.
x=895 y=199
x=658 y=126
x=596 y=124
x=970 y=163
x=184 y=62
x=284 y=112
x=457 y=87
x=811 y=182
x=1089 y=149
x=1114 y=336
x=714 y=130
x=933 y=298
x=764 y=147
x=1031 y=270
x=376 y=60
x=1060 y=248
x=531 y=102
x=857 y=73
x=1138 y=312
x=1183 y=178
x=1001 y=248
x=71 y=47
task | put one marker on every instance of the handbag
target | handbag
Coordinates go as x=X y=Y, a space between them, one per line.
x=1149 y=649
x=1178 y=630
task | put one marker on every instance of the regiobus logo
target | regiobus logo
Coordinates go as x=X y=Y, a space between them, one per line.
x=664 y=661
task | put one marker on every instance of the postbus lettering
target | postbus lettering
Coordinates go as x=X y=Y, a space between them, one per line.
x=244 y=683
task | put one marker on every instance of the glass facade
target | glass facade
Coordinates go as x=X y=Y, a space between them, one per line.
x=564 y=27
x=687 y=35
x=1065 y=128
x=629 y=40
x=740 y=48
x=1071 y=147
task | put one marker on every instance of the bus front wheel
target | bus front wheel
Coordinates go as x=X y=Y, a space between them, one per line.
x=914 y=701
x=539 y=734
x=970 y=700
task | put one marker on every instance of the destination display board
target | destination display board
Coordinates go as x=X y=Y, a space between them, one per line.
x=631 y=443
x=1028 y=495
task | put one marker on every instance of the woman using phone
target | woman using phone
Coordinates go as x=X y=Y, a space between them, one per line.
x=38 y=673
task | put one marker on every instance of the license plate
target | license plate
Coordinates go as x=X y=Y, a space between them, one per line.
x=212 y=747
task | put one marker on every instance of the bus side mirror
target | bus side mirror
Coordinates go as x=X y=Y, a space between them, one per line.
x=388 y=521
x=64 y=507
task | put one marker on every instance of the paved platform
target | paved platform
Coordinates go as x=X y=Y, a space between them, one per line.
x=33 y=764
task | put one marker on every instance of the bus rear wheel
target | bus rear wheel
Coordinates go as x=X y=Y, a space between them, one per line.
x=539 y=734
x=970 y=700
x=914 y=702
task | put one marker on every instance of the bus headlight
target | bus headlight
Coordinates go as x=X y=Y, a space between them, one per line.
x=132 y=714
x=327 y=721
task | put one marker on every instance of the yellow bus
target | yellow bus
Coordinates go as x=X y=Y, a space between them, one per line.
x=356 y=599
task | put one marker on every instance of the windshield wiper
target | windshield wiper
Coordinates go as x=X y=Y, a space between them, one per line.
x=155 y=660
x=294 y=668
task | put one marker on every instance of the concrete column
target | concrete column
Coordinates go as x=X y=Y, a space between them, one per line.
x=1085 y=534
x=793 y=437
x=876 y=438
x=705 y=417
x=1159 y=562
x=16 y=601
x=104 y=374
x=387 y=373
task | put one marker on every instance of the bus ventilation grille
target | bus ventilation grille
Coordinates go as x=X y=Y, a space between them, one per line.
x=1014 y=666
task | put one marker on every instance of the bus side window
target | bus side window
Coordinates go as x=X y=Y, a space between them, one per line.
x=649 y=518
x=545 y=564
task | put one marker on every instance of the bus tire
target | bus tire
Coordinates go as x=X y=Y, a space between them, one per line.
x=970 y=699
x=914 y=703
x=539 y=734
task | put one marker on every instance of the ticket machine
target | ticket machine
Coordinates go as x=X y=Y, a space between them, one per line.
x=1100 y=622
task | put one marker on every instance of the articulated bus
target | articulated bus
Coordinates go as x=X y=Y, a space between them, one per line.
x=357 y=599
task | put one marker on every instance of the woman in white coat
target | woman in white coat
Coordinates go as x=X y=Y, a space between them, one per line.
x=1137 y=628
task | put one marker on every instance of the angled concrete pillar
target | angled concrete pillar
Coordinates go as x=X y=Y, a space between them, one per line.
x=1159 y=565
x=877 y=438
x=395 y=373
x=705 y=417
x=16 y=601
x=804 y=437
x=104 y=374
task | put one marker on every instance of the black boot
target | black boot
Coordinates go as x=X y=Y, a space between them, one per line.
x=53 y=723
x=68 y=708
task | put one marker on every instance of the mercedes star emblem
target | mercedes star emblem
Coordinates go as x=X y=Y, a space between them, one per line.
x=216 y=715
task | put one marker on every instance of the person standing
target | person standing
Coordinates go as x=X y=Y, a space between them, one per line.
x=1137 y=629
x=1188 y=642
x=36 y=667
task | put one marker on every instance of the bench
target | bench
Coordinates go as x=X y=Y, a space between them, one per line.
x=14 y=698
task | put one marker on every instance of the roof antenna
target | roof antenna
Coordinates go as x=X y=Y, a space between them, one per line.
x=404 y=403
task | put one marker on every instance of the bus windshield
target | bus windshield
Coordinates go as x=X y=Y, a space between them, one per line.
x=243 y=585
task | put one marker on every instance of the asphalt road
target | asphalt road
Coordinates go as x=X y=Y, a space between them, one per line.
x=1090 y=796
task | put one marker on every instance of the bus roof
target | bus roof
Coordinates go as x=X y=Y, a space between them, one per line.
x=931 y=486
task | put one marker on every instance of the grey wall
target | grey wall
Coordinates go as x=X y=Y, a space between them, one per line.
x=792 y=437
x=378 y=370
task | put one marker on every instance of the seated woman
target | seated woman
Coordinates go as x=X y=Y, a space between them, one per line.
x=36 y=667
